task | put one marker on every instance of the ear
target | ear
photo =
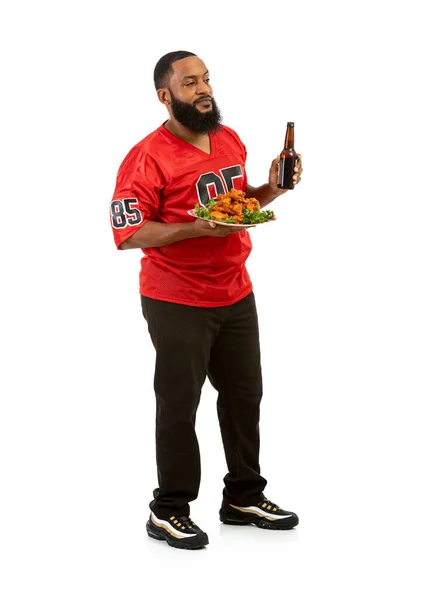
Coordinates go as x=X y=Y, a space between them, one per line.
x=163 y=96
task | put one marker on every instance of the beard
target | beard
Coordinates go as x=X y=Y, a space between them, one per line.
x=191 y=117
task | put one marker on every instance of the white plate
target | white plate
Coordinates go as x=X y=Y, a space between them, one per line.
x=192 y=212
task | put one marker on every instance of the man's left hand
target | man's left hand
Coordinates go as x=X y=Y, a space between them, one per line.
x=273 y=177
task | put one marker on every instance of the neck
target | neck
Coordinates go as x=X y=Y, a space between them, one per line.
x=184 y=133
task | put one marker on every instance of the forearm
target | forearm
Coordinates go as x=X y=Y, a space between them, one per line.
x=264 y=193
x=153 y=235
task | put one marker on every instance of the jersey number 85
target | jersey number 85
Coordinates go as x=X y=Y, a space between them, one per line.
x=124 y=213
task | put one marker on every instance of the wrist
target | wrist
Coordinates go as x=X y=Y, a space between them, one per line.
x=191 y=229
x=276 y=191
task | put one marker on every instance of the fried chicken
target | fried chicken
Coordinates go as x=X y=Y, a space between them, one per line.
x=218 y=216
x=232 y=205
x=252 y=204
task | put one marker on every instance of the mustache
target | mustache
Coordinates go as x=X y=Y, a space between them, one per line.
x=203 y=99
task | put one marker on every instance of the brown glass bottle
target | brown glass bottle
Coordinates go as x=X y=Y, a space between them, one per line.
x=288 y=158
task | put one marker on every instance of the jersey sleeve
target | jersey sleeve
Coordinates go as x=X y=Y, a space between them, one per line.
x=136 y=196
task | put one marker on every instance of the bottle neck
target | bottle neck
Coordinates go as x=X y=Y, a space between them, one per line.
x=289 y=139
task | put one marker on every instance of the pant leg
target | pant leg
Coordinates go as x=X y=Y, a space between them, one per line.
x=235 y=372
x=182 y=336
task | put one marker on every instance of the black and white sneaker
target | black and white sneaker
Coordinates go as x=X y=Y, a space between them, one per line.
x=179 y=532
x=265 y=514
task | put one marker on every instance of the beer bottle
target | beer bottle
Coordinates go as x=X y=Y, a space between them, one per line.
x=288 y=158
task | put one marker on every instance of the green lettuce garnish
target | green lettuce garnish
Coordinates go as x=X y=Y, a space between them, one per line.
x=249 y=218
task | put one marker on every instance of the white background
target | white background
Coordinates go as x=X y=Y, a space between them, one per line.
x=340 y=281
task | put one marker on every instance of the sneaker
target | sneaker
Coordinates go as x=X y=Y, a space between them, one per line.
x=179 y=532
x=265 y=514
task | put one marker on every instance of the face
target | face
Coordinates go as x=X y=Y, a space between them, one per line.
x=190 y=96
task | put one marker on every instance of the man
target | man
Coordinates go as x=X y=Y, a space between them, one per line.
x=197 y=300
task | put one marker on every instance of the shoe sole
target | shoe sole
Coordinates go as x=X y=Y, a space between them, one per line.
x=161 y=535
x=282 y=525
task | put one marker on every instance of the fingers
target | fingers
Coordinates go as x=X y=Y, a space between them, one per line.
x=296 y=178
x=297 y=170
x=223 y=230
x=218 y=230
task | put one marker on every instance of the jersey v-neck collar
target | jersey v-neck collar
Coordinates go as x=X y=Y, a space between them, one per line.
x=162 y=129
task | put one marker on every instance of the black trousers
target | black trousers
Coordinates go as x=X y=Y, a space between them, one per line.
x=190 y=343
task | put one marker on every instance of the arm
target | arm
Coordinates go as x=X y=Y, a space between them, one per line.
x=269 y=191
x=264 y=193
x=153 y=234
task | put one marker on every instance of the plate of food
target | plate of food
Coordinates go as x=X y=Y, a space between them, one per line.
x=233 y=209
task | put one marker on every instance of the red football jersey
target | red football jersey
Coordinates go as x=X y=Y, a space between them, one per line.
x=160 y=179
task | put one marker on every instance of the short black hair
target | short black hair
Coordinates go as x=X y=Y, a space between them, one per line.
x=163 y=69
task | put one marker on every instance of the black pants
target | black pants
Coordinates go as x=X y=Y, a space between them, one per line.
x=190 y=343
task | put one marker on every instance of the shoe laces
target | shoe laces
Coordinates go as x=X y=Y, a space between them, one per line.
x=269 y=505
x=184 y=522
